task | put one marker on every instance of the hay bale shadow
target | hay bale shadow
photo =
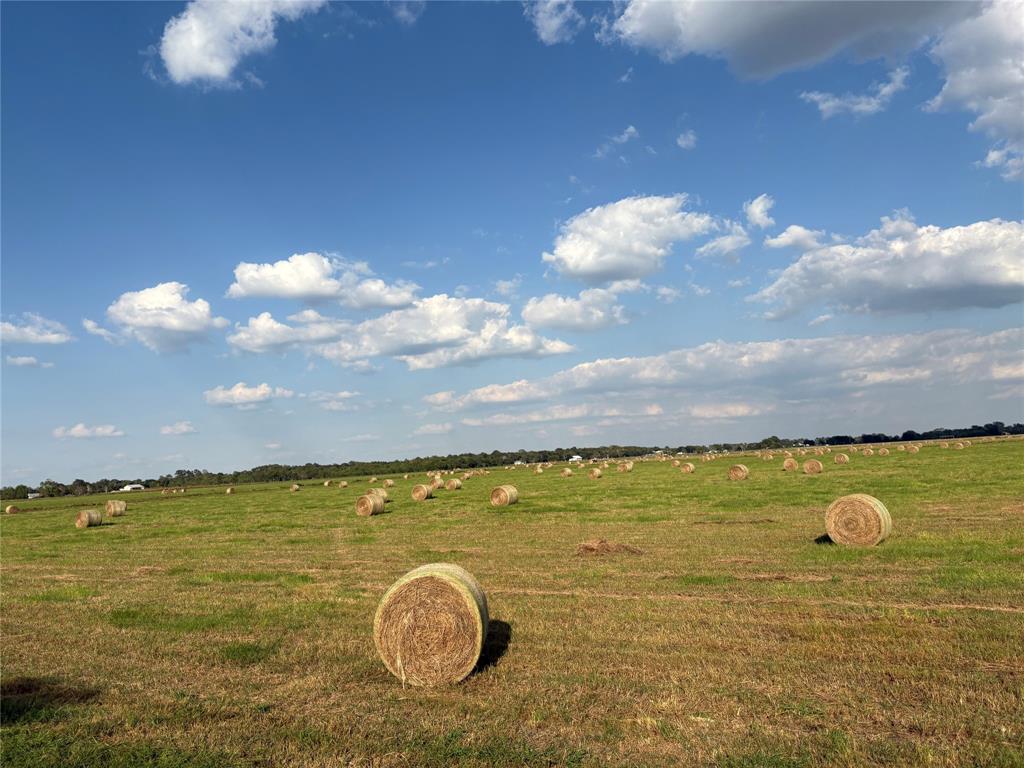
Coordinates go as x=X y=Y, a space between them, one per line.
x=39 y=698
x=824 y=539
x=499 y=635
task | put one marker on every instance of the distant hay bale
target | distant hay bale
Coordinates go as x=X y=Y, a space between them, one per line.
x=913 y=449
x=676 y=463
x=430 y=626
x=867 y=452
x=595 y=473
x=504 y=495
x=802 y=452
x=373 y=480
x=842 y=458
x=900 y=448
x=405 y=477
x=421 y=492
x=327 y=483
x=88 y=518
x=812 y=467
x=163 y=492
x=828 y=449
x=437 y=483
x=790 y=464
x=738 y=472
x=11 y=510
x=787 y=454
x=229 y=490
x=857 y=520
x=769 y=457
x=883 y=451
x=454 y=484
x=380 y=492
x=294 y=488
x=967 y=443
x=116 y=507
x=538 y=471
x=958 y=446
x=629 y=466
x=343 y=484
x=688 y=468
x=566 y=472
x=369 y=504
x=944 y=445
x=389 y=483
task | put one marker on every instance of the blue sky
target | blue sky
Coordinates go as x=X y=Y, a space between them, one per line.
x=243 y=233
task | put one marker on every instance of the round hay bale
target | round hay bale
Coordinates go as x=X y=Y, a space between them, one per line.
x=789 y=464
x=595 y=473
x=343 y=484
x=883 y=451
x=958 y=446
x=327 y=483
x=373 y=480
x=812 y=467
x=421 y=492
x=431 y=624
x=738 y=472
x=944 y=445
x=867 y=452
x=229 y=490
x=629 y=466
x=913 y=449
x=566 y=472
x=842 y=458
x=294 y=488
x=88 y=518
x=10 y=509
x=857 y=520
x=163 y=492
x=116 y=507
x=787 y=454
x=688 y=468
x=405 y=477
x=380 y=492
x=538 y=471
x=769 y=457
x=828 y=449
x=369 y=504
x=437 y=483
x=389 y=483
x=676 y=463
x=900 y=448
x=504 y=495
x=967 y=443
x=454 y=484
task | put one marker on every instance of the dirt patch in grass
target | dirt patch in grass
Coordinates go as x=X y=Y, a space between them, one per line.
x=605 y=547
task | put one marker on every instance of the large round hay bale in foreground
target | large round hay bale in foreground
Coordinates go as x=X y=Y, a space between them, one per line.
x=790 y=464
x=738 y=472
x=687 y=468
x=421 y=492
x=595 y=473
x=812 y=467
x=842 y=458
x=11 y=510
x=369 y=504
x=88 y=518
x=453 y=485
x=116 y=507
x=504 y=495
x=431 y=624
x=857 y=520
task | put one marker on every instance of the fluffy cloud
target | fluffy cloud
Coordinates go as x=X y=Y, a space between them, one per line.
x=687 y=139
x=625 y=239
x=901 y=267
x=407 y=12
x=593 y=309
x=770 y=37
x=728 y=245
x=555 y=21
x=265 y=334
x=34 y=329
x=162 y=318
x=178 y=428
x=206 y=41
x=80 y=431
x=628 y=134
x=312 y=276
x=756 y=211
x=241 y=394
x=795 y=236
x=859 y=105
x=26 y=361
x=433 y=429
x=983 y=59
x=508 y=288
x=95 y=329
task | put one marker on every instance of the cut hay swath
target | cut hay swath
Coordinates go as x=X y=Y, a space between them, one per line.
x=687 y=468
x=595 y=474
x=812 y=467
x=421 y=492
x=454 y=484
x=11 y=510
x=369 y=504
x=431 y=624
x=88 y=518
x=738 y=472
x=790 y=464
x=842 y=458
x=116 y=507
x=504 y=495
x=857 y=520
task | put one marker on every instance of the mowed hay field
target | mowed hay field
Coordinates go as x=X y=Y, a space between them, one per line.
x=208 y=629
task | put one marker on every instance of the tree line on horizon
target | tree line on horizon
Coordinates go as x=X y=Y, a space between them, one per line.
x=309 y=471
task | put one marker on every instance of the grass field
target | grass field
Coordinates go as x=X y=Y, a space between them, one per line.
x=212 y=630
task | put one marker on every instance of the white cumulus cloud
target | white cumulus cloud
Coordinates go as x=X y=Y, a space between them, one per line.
x=756 y=211
x=81 y=431
x=555 y=21
x=178 y=428
x=241 y=394
x=687 y=139
x=162 y=318
x=795 y=236
x=728 y=245
x=859 y=105
x=34 y=329
x=26 y=361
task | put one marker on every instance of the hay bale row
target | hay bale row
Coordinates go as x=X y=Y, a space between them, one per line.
x=504 y=495
x=857 y=520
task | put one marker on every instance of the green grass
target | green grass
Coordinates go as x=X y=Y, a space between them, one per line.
x=207 y=629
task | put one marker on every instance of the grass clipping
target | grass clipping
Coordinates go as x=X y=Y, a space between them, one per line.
x=431 y=624
x=857 y=520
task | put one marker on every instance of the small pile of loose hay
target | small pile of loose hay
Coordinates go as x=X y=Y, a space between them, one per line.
x=294 y=488
x=857 y=520
x=421 y=492
x=343 y=484
x=738 y=472
x=229 y=490
x=595 y=474
x=504 y=495
x=453 y=485
x=842 y=458
x=389 y=483
x=867 y=452
x=566 y=472
x=431 y=624
x=605 y=547
x=883 y=451
x=812 y=467
x=88 y=518
x=688 y=468
x=790 y=464
x=369 y=504
x=116 y=507
x=11 y=510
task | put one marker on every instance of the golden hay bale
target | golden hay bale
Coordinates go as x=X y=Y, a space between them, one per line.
x=405 y=477
x=787 y=454
x=883 y=451
x=380 y=492
x=802 y=452
x=738 y=472
x=454 y=484
x=437 y=483
x=842 y=458
x=595 y=473
x=913 y=449
x=389 y=483
x=421 y=492
x=867 y=452
x=116 y=507
x=11 y=510
x=900 y=448
x=538 y=471
x=828 y=449
x=768 y=457
x=857 y=520
x=294 y=488
x=676 y=463
x=944 y=445
x=369 y=504
x=629 y=466
x=431 y=624
x=504 y=495
x=959 y=446
x=87 y=518
x=163 y=492
x=812 y=467
x=229 y=490
x=343 y=484
x=687 y=468
x=790 y=464
x=967 y=443
x=373 y=480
